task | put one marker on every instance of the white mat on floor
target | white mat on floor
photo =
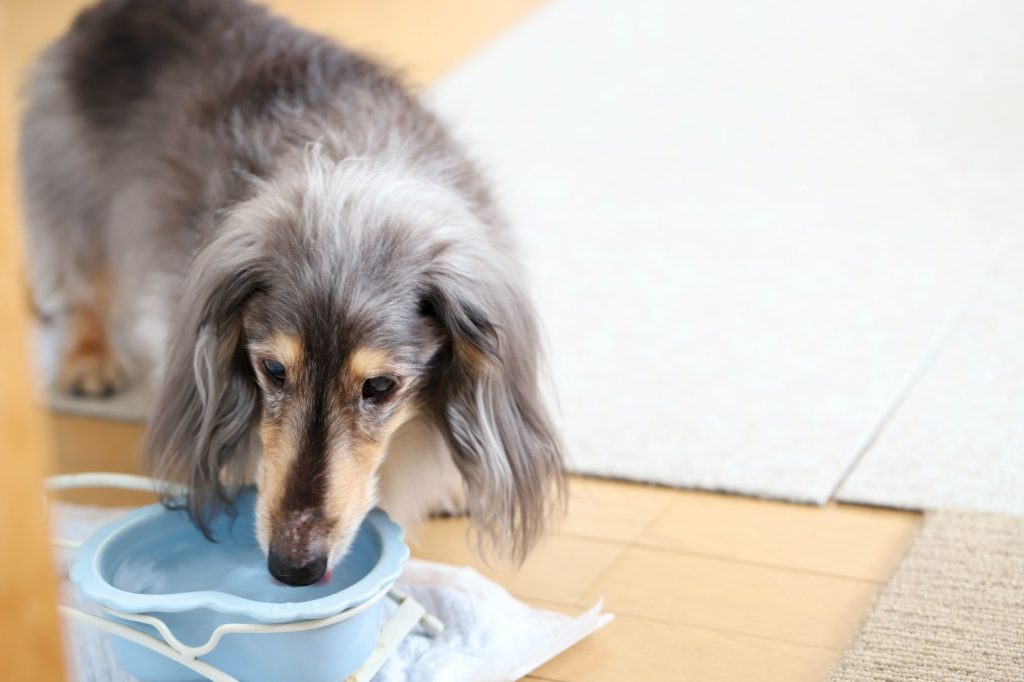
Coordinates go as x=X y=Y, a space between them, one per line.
x=129 y=405
x=958 y=440
x=489 y=635
x=747 y=223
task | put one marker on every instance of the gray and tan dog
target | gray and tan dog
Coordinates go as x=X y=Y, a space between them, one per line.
x=268 y=227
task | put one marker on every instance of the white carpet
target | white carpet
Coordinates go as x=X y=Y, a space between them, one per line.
x=958 y=440
x=750 y=225
x=747 y=223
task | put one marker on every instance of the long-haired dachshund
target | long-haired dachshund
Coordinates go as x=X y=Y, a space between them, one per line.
x=270 y=228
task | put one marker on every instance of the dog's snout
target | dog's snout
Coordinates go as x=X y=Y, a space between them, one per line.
x=297 y=575
x=298 y=550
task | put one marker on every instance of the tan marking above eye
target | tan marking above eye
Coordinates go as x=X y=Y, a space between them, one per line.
x=281 y=347
x=287 y=348
x=365 y=362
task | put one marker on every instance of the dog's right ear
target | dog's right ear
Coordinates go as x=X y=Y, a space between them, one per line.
x=201 y=432
x=502 y=438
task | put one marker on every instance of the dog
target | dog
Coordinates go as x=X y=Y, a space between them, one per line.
x=313 y=276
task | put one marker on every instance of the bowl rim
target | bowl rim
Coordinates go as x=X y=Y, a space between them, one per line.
x=86 y=576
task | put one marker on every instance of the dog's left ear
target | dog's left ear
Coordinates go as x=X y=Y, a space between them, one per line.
x=201 y=432
x=489 y=400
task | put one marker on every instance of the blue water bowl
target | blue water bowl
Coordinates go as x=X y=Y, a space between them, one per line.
x=153 y=562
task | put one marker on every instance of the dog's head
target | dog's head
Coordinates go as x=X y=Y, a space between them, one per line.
x=333 y=306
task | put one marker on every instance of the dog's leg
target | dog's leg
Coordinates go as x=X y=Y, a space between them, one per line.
x=418 y=478
x=89 y=365
x=67 y=188
x=453 y=503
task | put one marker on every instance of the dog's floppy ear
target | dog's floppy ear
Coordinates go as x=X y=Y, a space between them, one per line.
x=201 y=432
x=489 y=402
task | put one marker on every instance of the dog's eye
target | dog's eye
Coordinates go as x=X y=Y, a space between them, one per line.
x=274 y=369
x=377 y=387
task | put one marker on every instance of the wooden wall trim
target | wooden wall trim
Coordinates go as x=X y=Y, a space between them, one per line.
x=29 y=627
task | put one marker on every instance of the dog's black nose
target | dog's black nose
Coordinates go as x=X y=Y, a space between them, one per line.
x=297 y=576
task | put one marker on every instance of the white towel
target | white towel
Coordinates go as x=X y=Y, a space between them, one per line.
x=489 y=635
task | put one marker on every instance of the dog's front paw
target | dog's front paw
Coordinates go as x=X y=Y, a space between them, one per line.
x=90 y=374
x=454 y=505
x=89 y=366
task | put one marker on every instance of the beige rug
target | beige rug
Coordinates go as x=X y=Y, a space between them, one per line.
x=954 y=610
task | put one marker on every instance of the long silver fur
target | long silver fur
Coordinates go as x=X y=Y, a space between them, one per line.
x=205 y=152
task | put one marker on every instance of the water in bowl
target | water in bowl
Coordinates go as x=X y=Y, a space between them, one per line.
x=166 y=554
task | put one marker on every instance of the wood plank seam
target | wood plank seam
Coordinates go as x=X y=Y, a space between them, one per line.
x=720 y=557
x=624 y=547
x=695 y=626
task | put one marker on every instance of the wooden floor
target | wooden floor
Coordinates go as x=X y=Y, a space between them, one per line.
x=704 y=586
